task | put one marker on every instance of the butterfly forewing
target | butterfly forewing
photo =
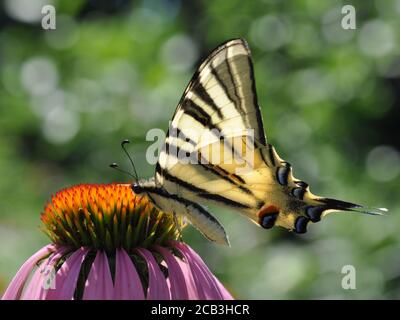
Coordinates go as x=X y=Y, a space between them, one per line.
x=221 y=95
x=216 y=121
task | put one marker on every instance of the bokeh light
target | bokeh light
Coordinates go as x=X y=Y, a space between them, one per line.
x=25 y=10
x=383 y=163
x=39 y=75
x=377 y=38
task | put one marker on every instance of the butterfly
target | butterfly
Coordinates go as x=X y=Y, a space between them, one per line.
x=218 y=130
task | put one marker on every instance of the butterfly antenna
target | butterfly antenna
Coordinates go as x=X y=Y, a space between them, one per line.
x=123 y=143
x=116 y=167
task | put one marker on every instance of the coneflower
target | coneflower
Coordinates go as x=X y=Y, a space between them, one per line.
x=108 y=243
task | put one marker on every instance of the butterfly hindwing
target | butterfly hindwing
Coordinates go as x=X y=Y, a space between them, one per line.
x=196 y=214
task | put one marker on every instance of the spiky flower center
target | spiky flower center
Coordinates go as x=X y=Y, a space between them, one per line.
x=106 y=217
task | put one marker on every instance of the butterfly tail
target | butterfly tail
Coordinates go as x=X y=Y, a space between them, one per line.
x=339 y=205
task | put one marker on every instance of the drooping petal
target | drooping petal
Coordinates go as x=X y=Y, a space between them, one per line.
x=224 y=292
x=127 y=282
x=99 y=284
x=176 y=278
x=158 y=288
x=189 y=280
x=67 y=276
x=17 y=283
x=43 y=278
x=204 y=291
x=206 y=283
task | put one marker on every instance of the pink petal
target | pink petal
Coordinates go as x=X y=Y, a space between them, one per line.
x=190 y=283
x=127 y=281
x=37 y=288
x=207 y=284
x=99 y=284
x=176 y=278
x=17 y=283
x=67 y=276
x=224 y=292
x=158 y=288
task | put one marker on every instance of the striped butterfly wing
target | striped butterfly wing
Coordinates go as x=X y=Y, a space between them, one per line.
x=218 y=115
x=221 y=95
x=216 y=151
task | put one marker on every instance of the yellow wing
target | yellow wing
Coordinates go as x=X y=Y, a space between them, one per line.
x=214 y=133
x=216 y=151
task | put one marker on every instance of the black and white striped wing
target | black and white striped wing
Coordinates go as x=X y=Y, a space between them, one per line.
x=219 y=108
x=221 y=95
x=218 y=115
x=197 y=215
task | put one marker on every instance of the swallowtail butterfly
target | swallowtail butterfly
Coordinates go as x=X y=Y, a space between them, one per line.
x=219 y=114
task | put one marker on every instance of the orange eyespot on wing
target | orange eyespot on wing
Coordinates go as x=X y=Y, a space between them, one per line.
x=267 y=216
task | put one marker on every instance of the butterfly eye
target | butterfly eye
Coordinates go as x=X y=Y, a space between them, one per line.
x=300 y=225
x=314 y=213
x=136 y=188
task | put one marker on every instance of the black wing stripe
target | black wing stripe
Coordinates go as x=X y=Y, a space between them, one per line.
x=225 y=175
x=222 y=84
x=163 y=193
x=255 y=103
x=199 y=191
x=193 y=110
x=238 y=104
x=159 y=170
x=202 y=192
x=201 y=92
x=173 y=150
x=179 y=134
x=231 y=89
x=271 y=155
x=226 y=201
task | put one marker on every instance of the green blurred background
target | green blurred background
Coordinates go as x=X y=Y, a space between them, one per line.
x=115 y=69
